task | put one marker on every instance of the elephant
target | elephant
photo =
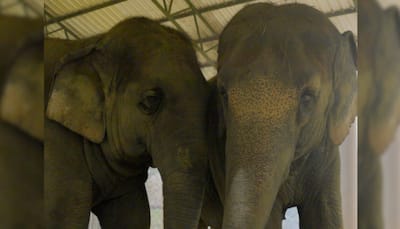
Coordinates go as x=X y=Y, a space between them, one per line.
x=287 y=91
x=21 y=122
x=117 y=103
x=378 y=103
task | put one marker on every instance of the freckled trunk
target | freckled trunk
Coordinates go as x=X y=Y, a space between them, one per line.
x=257 y=161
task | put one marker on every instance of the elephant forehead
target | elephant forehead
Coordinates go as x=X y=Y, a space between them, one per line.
x=268 y=98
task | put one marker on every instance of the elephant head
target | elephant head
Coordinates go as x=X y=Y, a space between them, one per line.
x=379 y=81
x=287 y=82
x=139 y=93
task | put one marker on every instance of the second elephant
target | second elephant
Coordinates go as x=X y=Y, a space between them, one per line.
x=119 y=103
x=287 y=93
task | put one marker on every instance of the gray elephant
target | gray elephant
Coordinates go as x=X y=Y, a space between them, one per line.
x=118 y=103
x=21 y=122
x=378 y=103
x=287 y=88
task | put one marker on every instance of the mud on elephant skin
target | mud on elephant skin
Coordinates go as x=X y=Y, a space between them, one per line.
x=378 y=103
x=287 y=85
x=118 y=103
x=21 y=122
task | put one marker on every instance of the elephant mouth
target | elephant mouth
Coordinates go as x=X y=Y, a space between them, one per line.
x=140 y=151
x=150 y=158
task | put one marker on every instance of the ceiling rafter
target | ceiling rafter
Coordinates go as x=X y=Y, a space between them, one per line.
x=179 y=28
x=341 y=12
x=196 y=14
x=181 y=14
x=61 y=25
x=187 y=12
x=165 y=8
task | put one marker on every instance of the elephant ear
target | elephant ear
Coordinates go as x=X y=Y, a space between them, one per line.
x=344 y=106
x=77 y=99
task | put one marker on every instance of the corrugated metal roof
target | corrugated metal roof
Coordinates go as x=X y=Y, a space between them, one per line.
x=209 y=23
x=101 y=20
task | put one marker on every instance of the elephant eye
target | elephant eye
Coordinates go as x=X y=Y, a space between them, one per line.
x=307 y=99
x=223 y=94
x=151 y=101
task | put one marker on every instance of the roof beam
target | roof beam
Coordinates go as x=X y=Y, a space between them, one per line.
x=341 y=12
x=53 y=31
x=196 y=12
x=179 y=28
x=189 y=12
x=62 y=26
x=207 y=39
x=83 y=11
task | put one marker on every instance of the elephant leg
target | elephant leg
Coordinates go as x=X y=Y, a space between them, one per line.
x=370 y=194
x=322 y=208
x=131 y=210
x=68 y=183
x=276 y=216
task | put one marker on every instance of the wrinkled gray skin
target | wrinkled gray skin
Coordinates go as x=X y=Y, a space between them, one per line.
x=287 y=85
x=378 y=103
x=212 y=211
x=21 y=155
x=119 y=103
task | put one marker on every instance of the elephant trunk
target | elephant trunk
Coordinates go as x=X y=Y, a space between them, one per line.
x=181 y=158
x=184 y=180
x=183 y=197
x=257 y=163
